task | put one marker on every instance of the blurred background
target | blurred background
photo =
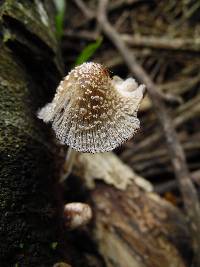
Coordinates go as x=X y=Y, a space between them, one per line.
x=164 y=37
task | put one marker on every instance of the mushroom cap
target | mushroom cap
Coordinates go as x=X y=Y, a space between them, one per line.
x=77 y=214
x=92 y=112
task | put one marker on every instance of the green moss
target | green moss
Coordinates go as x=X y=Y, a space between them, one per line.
x=7 y=36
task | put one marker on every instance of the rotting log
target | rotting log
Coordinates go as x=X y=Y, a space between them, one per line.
x=133 y=226
x=30 y=210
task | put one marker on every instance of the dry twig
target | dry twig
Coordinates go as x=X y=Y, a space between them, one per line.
x=180 y=44
x=86 y=11
x=177 y=155
x=171 y=185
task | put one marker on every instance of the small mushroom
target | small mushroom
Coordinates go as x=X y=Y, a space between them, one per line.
x=77 y=214
x=92 y=112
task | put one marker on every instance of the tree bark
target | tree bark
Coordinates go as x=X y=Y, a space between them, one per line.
x=30 y=209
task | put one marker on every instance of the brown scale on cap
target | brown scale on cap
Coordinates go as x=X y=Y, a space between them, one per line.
x=92 y=112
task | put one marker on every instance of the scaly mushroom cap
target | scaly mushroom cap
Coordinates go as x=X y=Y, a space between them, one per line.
x=92 y=112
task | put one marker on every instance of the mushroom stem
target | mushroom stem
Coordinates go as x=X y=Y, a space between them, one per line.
x=71 y=155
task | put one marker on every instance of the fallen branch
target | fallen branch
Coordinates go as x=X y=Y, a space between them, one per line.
x=133 y=226
x=171 y=185
x=86 y=11
x=90 y=14
x=182 y=115
x=189 y=44
x=177 y=155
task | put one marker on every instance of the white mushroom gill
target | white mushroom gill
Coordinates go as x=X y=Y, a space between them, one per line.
x=92 y=112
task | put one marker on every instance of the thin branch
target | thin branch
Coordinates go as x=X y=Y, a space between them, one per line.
x=83 y=34
x=176 y=152
x=85 y=10
x=171 y=185
x=90 y=15
x=180 y=44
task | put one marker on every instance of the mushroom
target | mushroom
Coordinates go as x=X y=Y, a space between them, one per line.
x=77 y=214
x=92 y=112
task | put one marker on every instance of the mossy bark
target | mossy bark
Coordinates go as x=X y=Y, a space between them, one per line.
x=30 y=217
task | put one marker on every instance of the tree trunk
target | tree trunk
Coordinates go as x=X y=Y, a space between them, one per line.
x=30 y=210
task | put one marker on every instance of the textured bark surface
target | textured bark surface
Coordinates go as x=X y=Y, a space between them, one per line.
x=133 y=226
x=30 y=217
